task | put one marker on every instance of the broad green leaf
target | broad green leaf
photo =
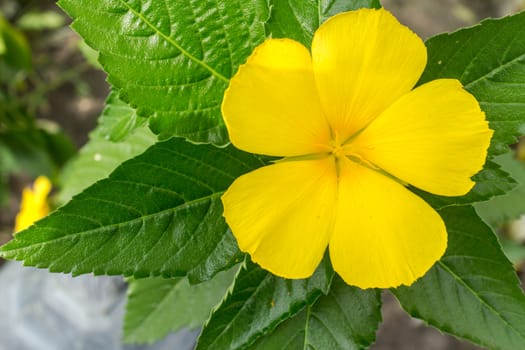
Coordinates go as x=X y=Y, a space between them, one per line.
x=473 y=291
x=298 y=19
x=510 y=206
x=117 y=120
x=172 y=59
x=258 y=302
x=490 y=182
x=345 y=319
x=157 y=306
x=157 y=214
x=489 y=60
x=102 y=154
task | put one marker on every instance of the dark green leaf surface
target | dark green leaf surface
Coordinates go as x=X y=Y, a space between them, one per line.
x=489 y=59
x=345 y=319
x=298 y=19
x=172 y=59
x=258 y=302
x=473 y=291
x=157 y=306
x=490 y=182
x=510 y=206
x=157 y=214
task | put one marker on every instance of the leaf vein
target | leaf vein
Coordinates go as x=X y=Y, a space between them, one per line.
x=116 y=225
x=477 y=296
x=173 y=42
x=495 y=71
x=239 y=311
x=178 y=173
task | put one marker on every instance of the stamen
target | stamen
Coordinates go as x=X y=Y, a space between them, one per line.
x=338 y=152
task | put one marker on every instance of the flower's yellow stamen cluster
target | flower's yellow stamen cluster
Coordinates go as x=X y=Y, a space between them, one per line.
x=338 y=151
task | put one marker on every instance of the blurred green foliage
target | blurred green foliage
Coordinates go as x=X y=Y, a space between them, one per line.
x=28 y=146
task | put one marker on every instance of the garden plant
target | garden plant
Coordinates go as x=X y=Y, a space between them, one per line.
x=265 y=169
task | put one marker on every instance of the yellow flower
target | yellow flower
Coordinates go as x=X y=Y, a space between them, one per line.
x=34 y=203
x=353 y=134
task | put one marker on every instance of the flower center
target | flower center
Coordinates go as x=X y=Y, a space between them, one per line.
x=347 y=150
x=338 y=151
x=337 y=148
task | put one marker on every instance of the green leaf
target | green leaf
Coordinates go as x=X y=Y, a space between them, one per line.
x=489 y=60
x=473 y=291
x=102 y=154
x=98 y=158
x=510 y=206
x=117 y=120
x=345 y=319
x=490 y=182
x=16 y=51
x=157 y=306
x=258 y=302
x=172 y=59
x=298 y=19
x=157 y=214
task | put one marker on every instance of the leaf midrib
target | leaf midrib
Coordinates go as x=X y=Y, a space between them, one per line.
x=239 y=312
x=5 y=249
x=306 y=339
x=175 y=44
x=479 y=298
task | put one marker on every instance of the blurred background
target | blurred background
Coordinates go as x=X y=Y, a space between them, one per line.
x=51 y=93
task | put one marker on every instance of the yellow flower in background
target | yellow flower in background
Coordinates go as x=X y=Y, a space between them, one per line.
x=352 y=133
x=34 y=204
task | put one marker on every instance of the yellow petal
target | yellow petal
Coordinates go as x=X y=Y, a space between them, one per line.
x=34 y=204
x=271 y=106
x=384 y=235
x=435 y=138
x=363 y=61
x=282 y=214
